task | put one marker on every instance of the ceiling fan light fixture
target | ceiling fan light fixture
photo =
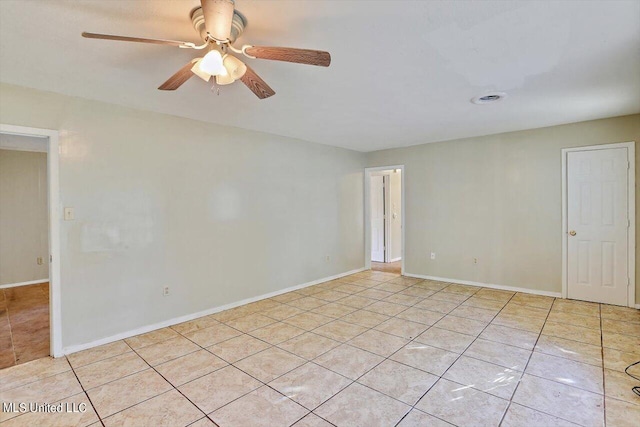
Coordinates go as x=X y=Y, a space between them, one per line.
x=212 y=64
x=198 y=72
x=235 y=67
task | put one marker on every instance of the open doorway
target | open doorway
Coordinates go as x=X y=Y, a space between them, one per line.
x=384 y=218
x=29 y=302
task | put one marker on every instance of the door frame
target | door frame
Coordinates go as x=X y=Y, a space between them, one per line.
x=53 y=184
x=367 y=213
x=631 y=206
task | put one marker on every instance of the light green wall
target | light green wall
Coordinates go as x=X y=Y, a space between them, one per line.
x=496 y=198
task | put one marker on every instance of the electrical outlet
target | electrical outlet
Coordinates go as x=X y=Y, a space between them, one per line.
x=433 y=255
x=165 y=291
x=475 y=260
x=39 y=260
x=327 y=258
x=69 y=214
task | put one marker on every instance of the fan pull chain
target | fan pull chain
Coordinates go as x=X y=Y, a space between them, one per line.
x=214 y=87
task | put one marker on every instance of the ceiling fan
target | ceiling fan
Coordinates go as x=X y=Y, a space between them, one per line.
x=219 y=25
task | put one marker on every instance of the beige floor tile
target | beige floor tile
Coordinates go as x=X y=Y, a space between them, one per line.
x=618 y=385
x=149 y=338
x=282 y=312
x=194 y=325
x=334 y=310
x=356 y=301
x=312 y=420
x=461 y=325
x=263 y=407
x=432 y=285
x=417 y=291
x=339 y=330
x=107 y=370
x=488 y=377
x=218 y=388
x=521 y=416
x=621 y=414
x=250 y=322
x=263 y=305
x=576 y=307
x=168 y=409
x=308 y=320
x=519 y=322
x=590 y=322
x=128 y=391
x=349 y=288
x=375 y=294
x=308 y=303
x=47 y=390
x=75 y=417
x=619 y=327
x=365 y=318
x=626 y=343
x=330 y=295
x=404 y=280
x=277 y=333
x=445 y=339
x=563 y=401
x=203 y=422
x=378 y=342
x=25 y=373
x=487 y=304
x=449 y=297
x=238 y=348
x=96 y=354
x=619 y=360
x=462 y=289
x=569 y=372
x=399 y=381
x=569 y=349
x=525 y=311
x=511 y=336
x=392 y=287
x=232 y=313
x=420 y=315
x=403 y=299
x=358 y=405
x=187 y=368
x=309 y=345
x=436 y=305
x=625 y=314
x=401 y=328
x=494 y=294
x=539 y=301
x=417 y=418
x=425 y=357
x=461 y=405
x=508 y=356
x=386 y=308
x=349 y=361
x=269 y=364
x=165 y=351
x=475 y=313
x=209 y=336
x=310 y=385
x=572 y=332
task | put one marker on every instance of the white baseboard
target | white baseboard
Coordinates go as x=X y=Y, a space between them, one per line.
x=148 y=328
x=487 y=285
x=638 y=306
x=32 y=282
x=396 y=259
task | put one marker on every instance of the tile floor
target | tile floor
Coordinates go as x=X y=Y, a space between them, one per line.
x=24 y=324
x=371 y=349
x=388 y=267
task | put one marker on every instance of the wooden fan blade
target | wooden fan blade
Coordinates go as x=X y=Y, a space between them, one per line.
x=256 y=84
x=288 y=54
x=179 y=78
x=135 y=39
x=218 y=15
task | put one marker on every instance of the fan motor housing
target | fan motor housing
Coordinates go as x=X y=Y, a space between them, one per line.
x=238 y=24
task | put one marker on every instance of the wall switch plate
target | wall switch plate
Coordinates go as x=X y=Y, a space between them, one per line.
x=39 y=260
x=69 y=214
x=327 y=258
x=433 y=255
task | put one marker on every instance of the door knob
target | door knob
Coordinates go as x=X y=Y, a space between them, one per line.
x=572 y=232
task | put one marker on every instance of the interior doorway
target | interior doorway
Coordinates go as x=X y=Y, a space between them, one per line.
x=384 y=218
x=29 y=242
x=599 y=224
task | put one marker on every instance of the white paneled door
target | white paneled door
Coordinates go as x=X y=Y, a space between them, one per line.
x=597 y=225
x=377 y=218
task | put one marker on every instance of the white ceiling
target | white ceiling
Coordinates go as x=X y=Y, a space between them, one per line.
x=402 y=72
